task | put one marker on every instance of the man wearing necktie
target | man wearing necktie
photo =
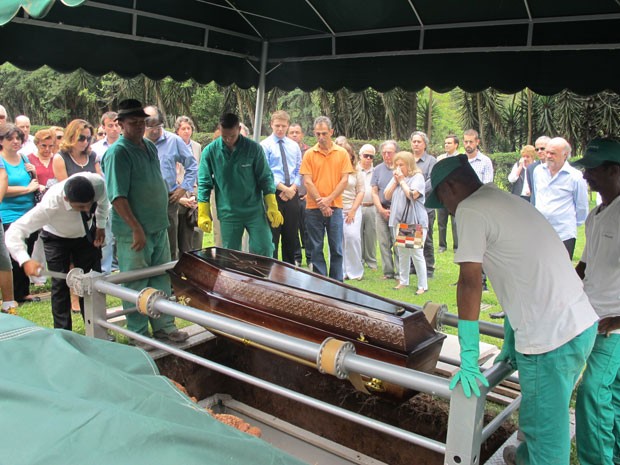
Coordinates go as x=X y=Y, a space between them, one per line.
x=284 y=158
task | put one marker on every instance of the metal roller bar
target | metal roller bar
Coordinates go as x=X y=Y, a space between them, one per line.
x=320 y=405
x=489 y=329
x=134 y=275
x=305 y=349
x=494 y=424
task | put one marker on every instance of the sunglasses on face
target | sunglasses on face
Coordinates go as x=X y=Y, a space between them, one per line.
x=539 y=149
x=83 y=138
x=368 y=155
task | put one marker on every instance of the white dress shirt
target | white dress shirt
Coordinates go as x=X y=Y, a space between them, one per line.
x=54 y=215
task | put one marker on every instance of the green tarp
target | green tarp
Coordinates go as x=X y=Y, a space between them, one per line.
x=68 y=399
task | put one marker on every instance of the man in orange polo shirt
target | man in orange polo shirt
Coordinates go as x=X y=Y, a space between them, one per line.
x=325 y=168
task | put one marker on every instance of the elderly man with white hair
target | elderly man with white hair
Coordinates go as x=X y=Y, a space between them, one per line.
x=561 y=192
x=23 y=123
x=369 y=212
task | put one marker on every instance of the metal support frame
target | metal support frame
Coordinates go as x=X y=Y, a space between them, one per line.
x=260 y=92
x=465 y=420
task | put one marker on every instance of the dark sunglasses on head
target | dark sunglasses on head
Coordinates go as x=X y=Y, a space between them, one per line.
x=82 y=138
x=368 y=155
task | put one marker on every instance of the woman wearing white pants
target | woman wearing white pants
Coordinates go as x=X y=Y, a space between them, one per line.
x=407 y=187
x=353 y=267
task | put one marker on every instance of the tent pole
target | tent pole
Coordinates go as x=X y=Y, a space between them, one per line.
x=260 y=92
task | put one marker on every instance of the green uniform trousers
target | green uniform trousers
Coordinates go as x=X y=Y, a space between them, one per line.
x=155 y=252
x=261 y=239
x=547 y=382
x=598 y=405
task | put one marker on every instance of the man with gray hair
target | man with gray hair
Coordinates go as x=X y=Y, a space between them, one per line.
x=381 y=177
x=540 y=147
x=419 y=143
x=325 y=169
x=171 y=150
x=561 y=192
x=23 y=123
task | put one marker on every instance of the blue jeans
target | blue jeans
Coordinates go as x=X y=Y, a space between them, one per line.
x=316 y=227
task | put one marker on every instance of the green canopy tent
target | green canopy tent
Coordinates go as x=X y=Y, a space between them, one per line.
x=474 y=44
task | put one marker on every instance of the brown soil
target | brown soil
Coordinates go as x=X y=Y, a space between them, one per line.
x=422 y=414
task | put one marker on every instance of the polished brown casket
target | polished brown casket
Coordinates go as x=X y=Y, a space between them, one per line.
x=290 y=300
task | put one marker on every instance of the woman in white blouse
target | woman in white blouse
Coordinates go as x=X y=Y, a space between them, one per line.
x=352 y=226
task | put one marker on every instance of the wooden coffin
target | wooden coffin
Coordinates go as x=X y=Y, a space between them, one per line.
x=290 y=300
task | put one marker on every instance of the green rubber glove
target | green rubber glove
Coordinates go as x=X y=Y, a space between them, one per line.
x=469 y=374
x=204 y=216
x=508 y=353
x=273 y=213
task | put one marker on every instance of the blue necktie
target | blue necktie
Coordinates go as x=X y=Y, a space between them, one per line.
x=287 y=176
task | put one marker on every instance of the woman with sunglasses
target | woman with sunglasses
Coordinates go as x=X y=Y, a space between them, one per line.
x=76 y=155
x=18 y=200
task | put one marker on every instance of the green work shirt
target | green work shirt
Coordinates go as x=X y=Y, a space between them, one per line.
x=240 y=178
x=135 y=174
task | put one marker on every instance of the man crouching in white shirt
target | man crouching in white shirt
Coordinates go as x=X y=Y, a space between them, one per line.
x=65 y=214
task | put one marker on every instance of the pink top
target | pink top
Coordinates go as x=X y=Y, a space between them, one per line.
x=44 y=173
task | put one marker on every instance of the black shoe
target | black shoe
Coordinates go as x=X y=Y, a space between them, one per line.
x=498 y=315
x=173 y=336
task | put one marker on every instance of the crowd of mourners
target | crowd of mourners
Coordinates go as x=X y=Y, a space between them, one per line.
x=129 y=194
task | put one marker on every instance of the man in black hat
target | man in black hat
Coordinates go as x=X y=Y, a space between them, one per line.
x=139 y=198
x=554 y=323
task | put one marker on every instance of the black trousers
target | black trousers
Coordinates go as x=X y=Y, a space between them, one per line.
x=302 y=234
x=442 y=227
x=570 y=246
x=21 y=282
x=429 y=247
x=60 y=253
x=288 y=233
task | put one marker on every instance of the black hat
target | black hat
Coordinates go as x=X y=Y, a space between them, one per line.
x=130 y=107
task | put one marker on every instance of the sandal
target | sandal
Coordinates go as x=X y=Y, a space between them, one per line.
x=420 y=291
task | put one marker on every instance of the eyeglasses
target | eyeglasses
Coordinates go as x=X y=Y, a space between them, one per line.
x=159 y=126
x=83 y=138
x=539 y=149
x=368 y=155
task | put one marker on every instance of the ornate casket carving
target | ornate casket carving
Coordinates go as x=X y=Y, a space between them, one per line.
x=284 y=298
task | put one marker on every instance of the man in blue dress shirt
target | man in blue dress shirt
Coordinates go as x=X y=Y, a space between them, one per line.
x=284 y=158
x=561 y=193
x=171 y=150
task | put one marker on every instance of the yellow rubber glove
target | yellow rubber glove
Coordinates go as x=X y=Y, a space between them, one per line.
x=204 y=216
x=273 y=214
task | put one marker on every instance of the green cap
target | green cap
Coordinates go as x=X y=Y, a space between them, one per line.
x=599 y=151
x=441 y=170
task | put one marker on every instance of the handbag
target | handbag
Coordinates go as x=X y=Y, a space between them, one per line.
x=409 y=235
